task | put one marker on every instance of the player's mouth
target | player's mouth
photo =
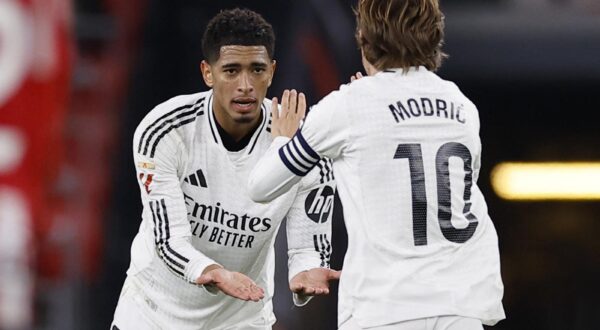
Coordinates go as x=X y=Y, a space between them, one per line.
x=244 y=104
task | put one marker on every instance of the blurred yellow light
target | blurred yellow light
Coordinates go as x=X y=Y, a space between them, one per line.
x=547 y=181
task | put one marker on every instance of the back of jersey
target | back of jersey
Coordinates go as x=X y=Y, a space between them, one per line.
x=416 y=139
x=406 y=155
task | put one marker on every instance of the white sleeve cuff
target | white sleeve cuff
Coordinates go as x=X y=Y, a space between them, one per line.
x=195 y=268
x=280 y=141
x=301 y=261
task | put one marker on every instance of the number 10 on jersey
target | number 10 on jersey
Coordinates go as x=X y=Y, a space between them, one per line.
x=419 y=197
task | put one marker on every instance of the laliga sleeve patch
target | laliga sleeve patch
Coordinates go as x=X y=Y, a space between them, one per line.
x=146 y=165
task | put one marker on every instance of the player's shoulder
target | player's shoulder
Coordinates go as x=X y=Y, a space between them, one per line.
x=466 y=100
x=450 y=87
x=166 y=118
x=335 y=99
x=354 y=90
x=173 y=107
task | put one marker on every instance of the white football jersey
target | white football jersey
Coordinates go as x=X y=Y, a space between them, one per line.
x=406 y=152
x=197 y=212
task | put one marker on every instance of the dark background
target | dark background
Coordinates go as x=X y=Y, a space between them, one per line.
x=531 y=67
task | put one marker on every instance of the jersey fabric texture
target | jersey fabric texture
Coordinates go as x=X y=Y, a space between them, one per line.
x=406 y=152
x=196 y=212
x=429 y=323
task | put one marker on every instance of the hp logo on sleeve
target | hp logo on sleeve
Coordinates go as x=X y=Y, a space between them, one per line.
x=319 y=204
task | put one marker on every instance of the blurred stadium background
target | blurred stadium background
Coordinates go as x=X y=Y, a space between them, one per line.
x=77 y=76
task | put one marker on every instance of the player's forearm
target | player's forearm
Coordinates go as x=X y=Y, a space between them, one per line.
x=270 y=178
x=183 y=259
x=309 y=247
x=300 y=260
x=304 y=254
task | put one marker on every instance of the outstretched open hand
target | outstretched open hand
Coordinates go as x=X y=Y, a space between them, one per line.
x=293 y=108
x=314 y=282
x=233 y=284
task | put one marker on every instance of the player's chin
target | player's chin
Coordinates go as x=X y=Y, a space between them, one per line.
x=244 y=118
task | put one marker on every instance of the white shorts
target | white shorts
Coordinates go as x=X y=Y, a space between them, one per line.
x=430 y=323
x=133 y=313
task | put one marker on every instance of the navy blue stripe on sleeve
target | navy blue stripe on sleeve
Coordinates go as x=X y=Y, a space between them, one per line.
x=296 y=162
x=306 y=147
x=289 y=165
x=299 y=158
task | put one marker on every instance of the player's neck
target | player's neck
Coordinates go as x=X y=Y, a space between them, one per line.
x=238 y=135
x=232 y=144
x=237 y=130
x=370 y=69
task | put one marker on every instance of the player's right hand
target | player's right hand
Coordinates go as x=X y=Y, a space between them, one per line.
x=231 y=283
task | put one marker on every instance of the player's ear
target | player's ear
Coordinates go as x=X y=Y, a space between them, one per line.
x=273 y=66
x=207 y=75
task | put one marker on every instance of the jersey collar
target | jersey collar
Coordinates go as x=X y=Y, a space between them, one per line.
x=411 y=70
x=214 y=131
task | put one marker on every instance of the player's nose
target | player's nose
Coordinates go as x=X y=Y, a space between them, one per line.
x=245 y=84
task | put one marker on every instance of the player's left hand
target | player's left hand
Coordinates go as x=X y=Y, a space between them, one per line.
x=293 y=108
x=314 y=282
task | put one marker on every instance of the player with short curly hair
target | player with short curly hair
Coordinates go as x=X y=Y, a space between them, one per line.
x=237 y=27
x=203 y=257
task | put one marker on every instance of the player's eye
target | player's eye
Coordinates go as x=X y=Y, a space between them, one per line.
x=230 y=71
x=259 y=70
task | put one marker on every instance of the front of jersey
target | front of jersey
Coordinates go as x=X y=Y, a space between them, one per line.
x=406 y=152
x=197 y=212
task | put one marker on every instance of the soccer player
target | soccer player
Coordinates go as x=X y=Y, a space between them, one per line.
x=203 y=257
x=422 y=251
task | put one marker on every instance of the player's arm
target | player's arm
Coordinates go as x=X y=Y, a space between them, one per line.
x=157 y=160
x=309 y=235
x=294 y=152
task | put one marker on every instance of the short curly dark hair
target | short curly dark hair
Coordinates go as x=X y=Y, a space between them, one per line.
x=237 y=26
